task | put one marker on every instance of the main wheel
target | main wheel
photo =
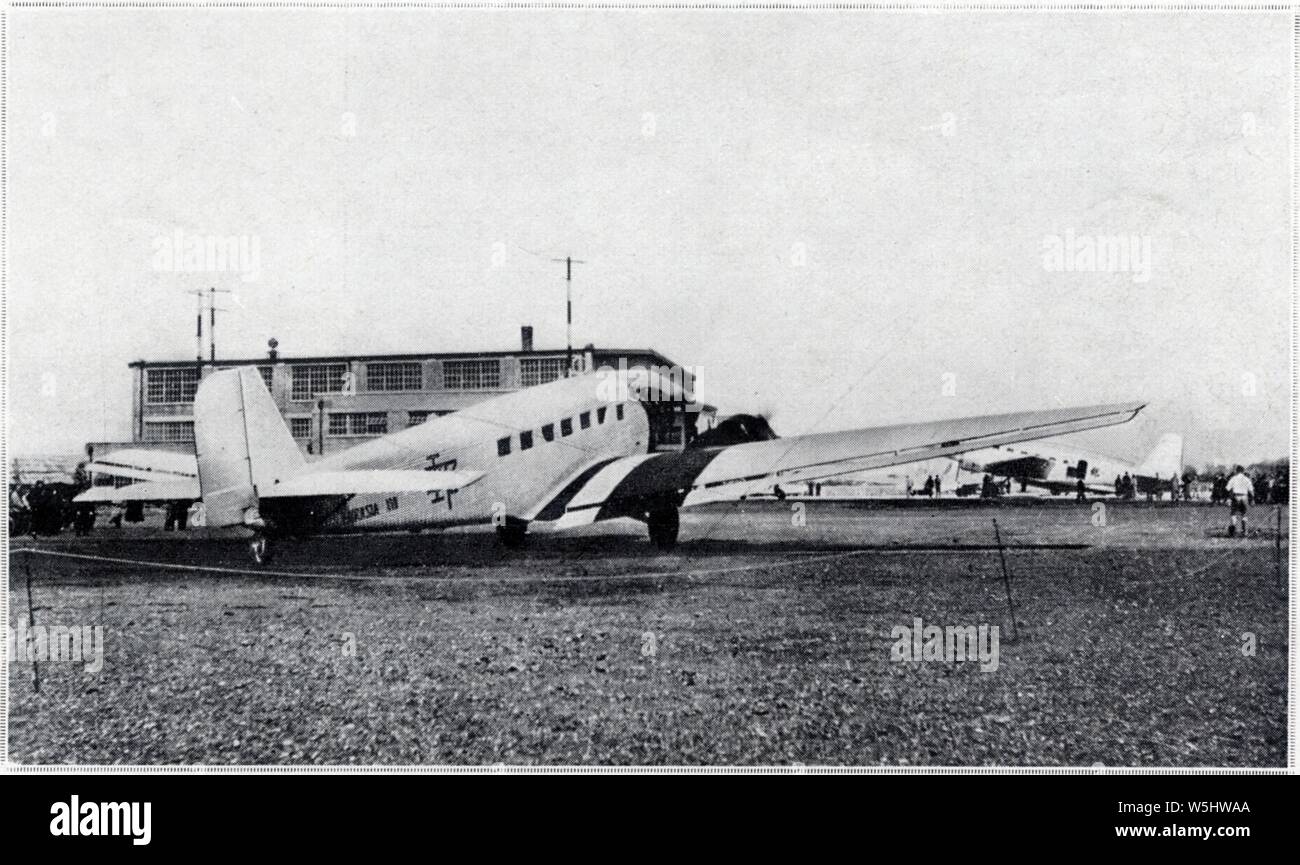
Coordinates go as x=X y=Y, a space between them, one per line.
x=664 y=524
x=261 y=550
x=512 y=534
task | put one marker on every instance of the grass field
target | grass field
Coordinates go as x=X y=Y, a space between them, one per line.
x=1146 y=641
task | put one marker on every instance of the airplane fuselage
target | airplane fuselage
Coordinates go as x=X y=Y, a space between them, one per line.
x=528 y=444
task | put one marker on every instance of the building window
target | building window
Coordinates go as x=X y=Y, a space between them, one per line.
x=584 y=420
x=311 y=379
x=525 y=440
x=169 y=431
x=300 y=427
x=566 y=427
x=540 y=370
x=170 y=385
x=618 y=411
x=394 y=376
x=419 y=416
x=471 y=374
x=503 y=446
x=548 y=432
x=364 y=423
x=600 y=415
x=268 y=375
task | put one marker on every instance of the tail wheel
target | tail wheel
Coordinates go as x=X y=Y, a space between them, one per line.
x=512 y=535
x=664 y=524
x=261 y=550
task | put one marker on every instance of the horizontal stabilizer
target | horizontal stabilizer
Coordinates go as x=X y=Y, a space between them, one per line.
x=145 y=465
x=149 y=491
x=359 y=481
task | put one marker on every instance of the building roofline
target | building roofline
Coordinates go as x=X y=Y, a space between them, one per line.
x=435 y=355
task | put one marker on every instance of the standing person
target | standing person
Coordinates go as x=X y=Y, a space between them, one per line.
x=1173 y=487
x=39 y=500
x=1187 y=486
x=1261 y=488
x=938 y=486
x=909 y=486
x=1241 y=491
x=1119 y=487
x=929 y=487
x=20 y=512
x=1080 y=491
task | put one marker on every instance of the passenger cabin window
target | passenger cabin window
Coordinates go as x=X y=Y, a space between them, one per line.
x=525 y=440
x=584 y=419
x=618 y=411
x=566 y=427
x=548 y=432
x=503 y=446
x=600 y=415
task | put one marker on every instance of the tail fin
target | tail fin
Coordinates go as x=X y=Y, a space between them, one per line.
x=1165 y=459
x=241 y=444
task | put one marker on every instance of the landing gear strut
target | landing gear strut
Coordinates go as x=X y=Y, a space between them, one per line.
x=261 y=549
x=512 y=534
x=663 y=523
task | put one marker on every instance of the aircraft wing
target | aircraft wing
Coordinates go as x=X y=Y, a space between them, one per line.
x=628 y=486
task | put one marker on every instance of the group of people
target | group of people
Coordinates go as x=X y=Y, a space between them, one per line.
x=1263 y=490
x=931 y=489
x=1125 y=486
x=991 y=488
x=47 y=509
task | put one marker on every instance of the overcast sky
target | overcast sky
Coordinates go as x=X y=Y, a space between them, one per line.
x=829 y=216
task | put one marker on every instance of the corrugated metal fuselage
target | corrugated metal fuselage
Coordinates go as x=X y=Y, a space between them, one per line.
x=572 y=426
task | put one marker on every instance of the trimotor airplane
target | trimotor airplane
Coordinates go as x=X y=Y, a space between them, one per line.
x=1058 y=466
x=556 y=456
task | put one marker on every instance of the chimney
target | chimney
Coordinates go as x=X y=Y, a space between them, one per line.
x=526 y=337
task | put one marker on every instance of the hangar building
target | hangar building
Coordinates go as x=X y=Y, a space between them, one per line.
x=335 y=402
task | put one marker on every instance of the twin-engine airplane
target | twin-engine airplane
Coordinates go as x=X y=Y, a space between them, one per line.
x=556 y=456
x=1058 y=467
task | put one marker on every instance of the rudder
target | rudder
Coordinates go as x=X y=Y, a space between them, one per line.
x=1165 y=459
x=241 y=445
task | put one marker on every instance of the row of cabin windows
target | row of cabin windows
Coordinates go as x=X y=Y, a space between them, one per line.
x=548 y=430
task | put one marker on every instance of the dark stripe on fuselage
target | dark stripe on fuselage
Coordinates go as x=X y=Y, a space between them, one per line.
x=556 y=506
x=663 y=479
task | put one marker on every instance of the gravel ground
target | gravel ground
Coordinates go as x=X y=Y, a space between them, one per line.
x=759 y=641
